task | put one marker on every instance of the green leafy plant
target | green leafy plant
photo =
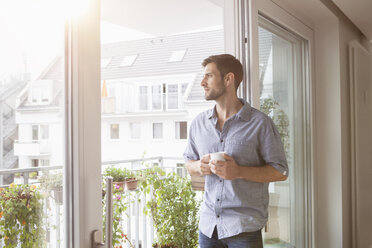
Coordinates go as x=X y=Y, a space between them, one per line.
x=51 y=181
x=272 y=108
x=118 y=174
x=33 y=174
x=121 y=200
x=173 y=207
x=21 y=214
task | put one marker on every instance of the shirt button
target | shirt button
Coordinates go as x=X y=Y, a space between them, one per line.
x=218 y=199
x=220 y=181
x=221 y=140
x=218 y=216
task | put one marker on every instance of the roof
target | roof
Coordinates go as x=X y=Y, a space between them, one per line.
x=152 y=58
x=153 y=54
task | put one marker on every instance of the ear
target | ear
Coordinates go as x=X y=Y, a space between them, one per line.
x=229 y=79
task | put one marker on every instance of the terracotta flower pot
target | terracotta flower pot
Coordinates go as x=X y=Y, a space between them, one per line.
x=131 y=183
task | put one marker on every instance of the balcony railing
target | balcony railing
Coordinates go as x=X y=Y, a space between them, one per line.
x=138 y=226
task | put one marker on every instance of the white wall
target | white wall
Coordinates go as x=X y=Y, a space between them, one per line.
x=328 y=138
x=332 y=101
x=347 y=34
x=332 y=178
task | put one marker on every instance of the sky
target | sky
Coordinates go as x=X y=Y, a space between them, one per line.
x=32 y=33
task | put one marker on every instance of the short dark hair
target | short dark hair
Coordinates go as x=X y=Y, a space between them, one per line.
x=226 y=63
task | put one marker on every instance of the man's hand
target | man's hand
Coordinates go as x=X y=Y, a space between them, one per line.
x=227 y=170
x=204 y=168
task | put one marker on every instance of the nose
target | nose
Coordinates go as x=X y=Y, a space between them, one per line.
x=203 y=82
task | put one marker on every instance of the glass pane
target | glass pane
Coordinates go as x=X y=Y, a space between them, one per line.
x=172 y=96
x=35 y=132
x=143 y=98
x=32 y=111
x=281 y=99
x=170 y=47
x=114 y=131
x=156 y=97
x=181 y=130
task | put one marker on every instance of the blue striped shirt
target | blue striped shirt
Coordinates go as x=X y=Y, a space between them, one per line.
x=251 y=138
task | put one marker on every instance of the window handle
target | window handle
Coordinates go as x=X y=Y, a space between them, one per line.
x=97 y=234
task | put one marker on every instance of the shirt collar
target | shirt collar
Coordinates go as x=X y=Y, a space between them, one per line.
x=244 y=112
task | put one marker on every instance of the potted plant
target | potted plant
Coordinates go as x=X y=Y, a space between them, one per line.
x=53 y=183
x=174 y=210
x=118 y=175
x=21 y=216
x=121 y=177
x=131 y=182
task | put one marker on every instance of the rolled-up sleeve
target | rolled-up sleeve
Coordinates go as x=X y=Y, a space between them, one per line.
x=190 y=152
x=272 y=150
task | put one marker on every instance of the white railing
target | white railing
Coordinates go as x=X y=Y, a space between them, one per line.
x=31 y=148
x=138 y=227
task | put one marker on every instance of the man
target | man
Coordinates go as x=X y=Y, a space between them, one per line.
x=236 y=196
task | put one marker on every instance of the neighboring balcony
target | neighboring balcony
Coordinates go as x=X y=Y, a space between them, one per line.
x=31 y=148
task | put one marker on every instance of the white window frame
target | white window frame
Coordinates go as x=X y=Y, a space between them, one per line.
x=149 y=106
x=161 y=98
x=128 y=60
x=83 y=193
x=39 y=132
x=282 y=17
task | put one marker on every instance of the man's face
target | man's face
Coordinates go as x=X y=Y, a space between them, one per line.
x=212 y=82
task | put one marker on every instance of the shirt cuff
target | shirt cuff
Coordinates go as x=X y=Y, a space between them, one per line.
x=283 y=170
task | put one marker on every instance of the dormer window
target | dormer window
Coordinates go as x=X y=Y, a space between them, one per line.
x=177 y=56
x=105 y=62
x=40 y=95
x=128 y=60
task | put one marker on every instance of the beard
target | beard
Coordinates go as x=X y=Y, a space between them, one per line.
x=214 y=94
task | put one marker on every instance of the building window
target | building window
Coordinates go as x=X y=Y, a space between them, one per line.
x=156 y=97
x=157 y=130
x=143 y=98
x=172 y=97
x=105 y=62
x=35 y=132
x=128 y=60
x=135 y=130
x=177 y=56
x=35 y=162
x=44 y=162
x=114 y=131
x=181 y=129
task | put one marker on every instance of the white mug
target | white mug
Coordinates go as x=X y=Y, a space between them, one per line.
x=217 y=156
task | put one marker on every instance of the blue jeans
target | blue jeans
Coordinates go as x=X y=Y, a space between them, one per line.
x=242 y=240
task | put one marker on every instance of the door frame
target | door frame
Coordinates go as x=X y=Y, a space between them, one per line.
x=287 y=20
x=83 y=127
